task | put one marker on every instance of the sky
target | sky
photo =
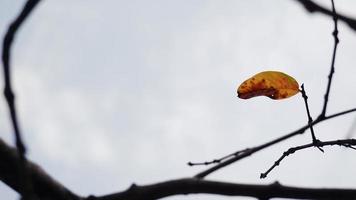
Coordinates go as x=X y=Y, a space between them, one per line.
x=111 y=93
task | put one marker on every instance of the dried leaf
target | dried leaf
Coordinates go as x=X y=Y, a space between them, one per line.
x=273 y=84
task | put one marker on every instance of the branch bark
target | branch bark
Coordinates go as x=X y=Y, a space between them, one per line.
x=194 y=186
x=43 y=185
x=25 y=180
x=348 y=143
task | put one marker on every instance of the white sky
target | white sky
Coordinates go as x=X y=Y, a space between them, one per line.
x=116 y=92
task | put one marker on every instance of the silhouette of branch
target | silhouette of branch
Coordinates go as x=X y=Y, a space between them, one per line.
x=32 y=181
x=195 y=186
x=332 y=68
x=313 y=7
x=310 y=119
x=349 y=143
x=9 y=94
x=219 y=160
x=255 y=149
x=43 y=185
x=46 y=187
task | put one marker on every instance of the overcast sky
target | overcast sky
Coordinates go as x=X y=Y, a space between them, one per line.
x=115 y=92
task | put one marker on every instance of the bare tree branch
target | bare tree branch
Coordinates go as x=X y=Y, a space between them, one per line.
x=310 y=119
x=348 y=143
x=26 y=185
x=43 y=185
x=219 y=160
x=46 y=187
x=332 y=68
x=195 y=186
x=313 y=7
x=6 y=54
x=255 y=149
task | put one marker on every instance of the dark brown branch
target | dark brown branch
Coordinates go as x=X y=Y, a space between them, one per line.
x=218 y=160
x=8 y=92
x=332 y=68
x=310 y=119
x=312 y=7
x=10 y=97
x=47 y=188
x=43 y=185
x=253 y=150
x=349 y=143
x=195 y=186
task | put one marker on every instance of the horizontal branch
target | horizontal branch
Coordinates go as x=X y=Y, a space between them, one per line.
x=46 y=187
x=43 y=185
x=195 y=186
x=348 y=143
x=255 y=149
x=312 y=7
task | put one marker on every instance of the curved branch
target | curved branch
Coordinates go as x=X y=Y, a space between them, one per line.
x=253 y=150
x=312 y=7
x=332 y=68
x=348 y=143
x=46 y=187
x=6 y=55
x=195 y=186
x=25 y=180
x=43 y=185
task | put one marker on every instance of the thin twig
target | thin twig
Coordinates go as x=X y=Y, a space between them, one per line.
x=310 y=119
x=332 y=68
x=348 y=143
x=312 y=7
x=9 y=94
x=255 y=149
x=218 y=160
x=48 y=188
x=321 y=117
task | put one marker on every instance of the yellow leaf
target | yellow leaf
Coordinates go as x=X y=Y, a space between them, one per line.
x=273 y=84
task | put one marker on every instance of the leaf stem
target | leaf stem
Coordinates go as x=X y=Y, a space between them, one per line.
x=310 y=119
